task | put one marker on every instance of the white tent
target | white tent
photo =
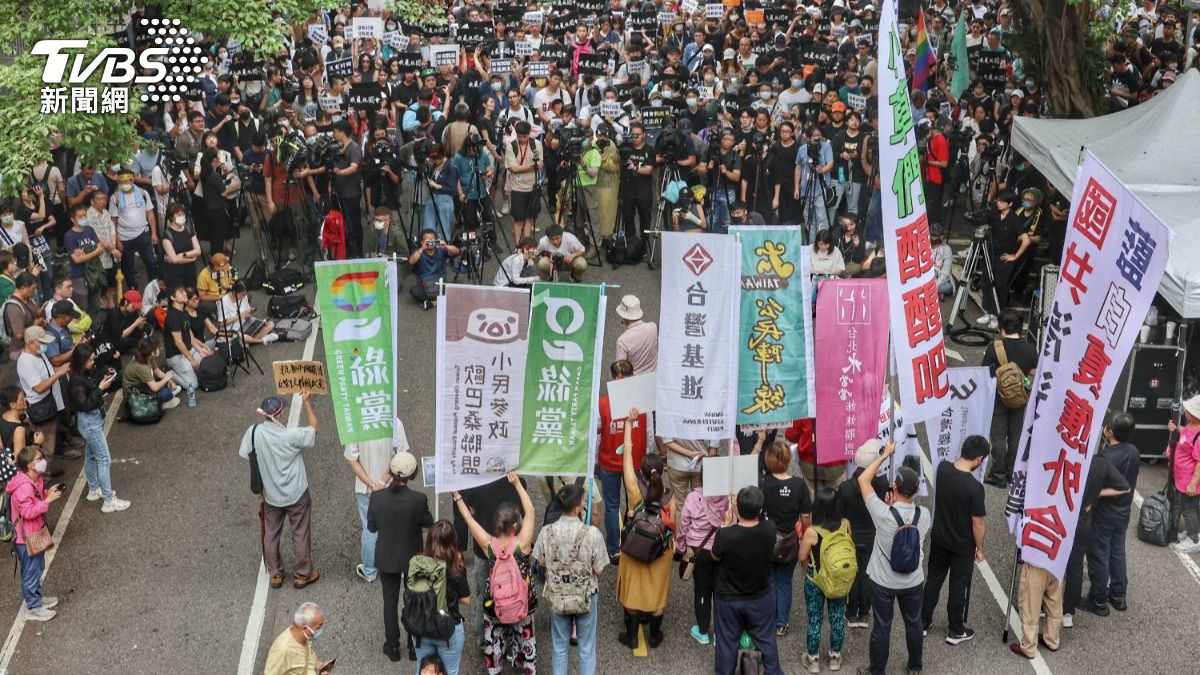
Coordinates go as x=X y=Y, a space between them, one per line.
x=1154 y=148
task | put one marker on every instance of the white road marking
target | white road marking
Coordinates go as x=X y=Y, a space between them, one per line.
x=1188 y=563
x=989 y=577
x=258 y=607
x=60 y=530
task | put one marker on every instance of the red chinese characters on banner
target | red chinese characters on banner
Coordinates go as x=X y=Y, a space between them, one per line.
x=928 y=371
x=1095 y=213
x=1044 y=530
x=916 y=253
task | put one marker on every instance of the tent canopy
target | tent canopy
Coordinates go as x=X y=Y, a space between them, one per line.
x=1152 y=148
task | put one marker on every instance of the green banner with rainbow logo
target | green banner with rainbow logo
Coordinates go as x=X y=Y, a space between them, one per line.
x=357 y=300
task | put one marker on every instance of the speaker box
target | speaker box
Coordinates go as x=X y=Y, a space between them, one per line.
x=1148 y=387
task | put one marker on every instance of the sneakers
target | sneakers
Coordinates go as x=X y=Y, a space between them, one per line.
x=781 y=631
x=191 y=398
x=985 y=319
x=113 y=505
x=857 y=622
x=1098 y=610
x=1068 y=621
x=811 y=662
x=49 y=602
x=702 y=638
x=362 y=574
x=173 y=403
x=1118 y=604
x=277 y=581
x=40 y=614
x=835 y=661
x=959 y=638
x=269 y=338
x=69 y=453
x=1187 y=546
x=94 y=495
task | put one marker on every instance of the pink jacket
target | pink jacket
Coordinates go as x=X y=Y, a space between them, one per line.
x=701 y=515
x=28 y=500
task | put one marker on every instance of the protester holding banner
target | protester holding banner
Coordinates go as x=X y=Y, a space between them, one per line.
x=684 y=460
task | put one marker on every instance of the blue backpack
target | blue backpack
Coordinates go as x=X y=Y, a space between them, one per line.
x=906 y=544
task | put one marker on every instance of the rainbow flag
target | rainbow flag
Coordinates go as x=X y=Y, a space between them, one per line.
x=923 y=67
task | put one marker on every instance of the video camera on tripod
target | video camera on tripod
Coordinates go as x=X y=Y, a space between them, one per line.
x=291 y=151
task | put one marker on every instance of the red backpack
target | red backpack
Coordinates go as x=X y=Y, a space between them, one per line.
x=510 y=588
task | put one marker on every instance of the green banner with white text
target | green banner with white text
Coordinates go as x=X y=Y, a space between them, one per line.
x=357 y=300
x=562 y=375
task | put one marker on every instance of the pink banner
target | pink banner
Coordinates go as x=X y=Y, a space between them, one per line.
x=851 y=348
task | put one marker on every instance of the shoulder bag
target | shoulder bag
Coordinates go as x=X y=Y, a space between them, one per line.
x=46 y=409
x=256 y=482
x=39 y=541
x=687 y=564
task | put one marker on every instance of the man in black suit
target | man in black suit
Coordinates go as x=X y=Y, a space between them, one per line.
x=399 y=515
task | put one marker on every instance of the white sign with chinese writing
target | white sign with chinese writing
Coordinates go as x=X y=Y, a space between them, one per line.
x=698 y=336
x=395 y=40
x=726 y=475
x=366 y=27
x=968 y=412
x=318 y=33
x=443 y=55
x=1113 y=259
x=482 y=341
x=915 y=312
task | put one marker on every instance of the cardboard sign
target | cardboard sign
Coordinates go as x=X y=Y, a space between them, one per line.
x=524 y=48
x=539 y=68
x=726 y=475
x=501 y=66
x=408 y=61
x=593 y=64
x=610 y=109
x=706 y=93
x=318 y=33
x=856 y=101
x=643 y=20
x=732 y=3
x=556 y=53
x=443 y=55
x=632 y=392
x=297 y=377
x=331 y=104
x=714 y=10
x=665 y=18
x=247 y=71
x=365 y=95
x=689 y=6
x=343 y=67
x=471 y=35
x=395 y=40
x=654 y=117
x=638 y=68
x=776 y=15
x=532 y=18
x=755 y=16
x=366 y=27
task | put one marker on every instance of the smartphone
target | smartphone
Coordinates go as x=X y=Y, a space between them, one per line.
x=329 y=666
x=62 y=487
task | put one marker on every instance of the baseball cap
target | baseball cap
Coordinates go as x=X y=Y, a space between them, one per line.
x=907 y=481
x=838 y=107
x=403 y=464
x=37 y=334
x=729 y=55
x=271 y=407
x=218 y=260
x=64 y=308
x=819 y=89
x=134 y=297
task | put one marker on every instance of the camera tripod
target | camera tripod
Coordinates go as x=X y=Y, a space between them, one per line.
x=662 y=216
x=977 y=253
x=580 y=217
x=235 y=357
x=811 y=199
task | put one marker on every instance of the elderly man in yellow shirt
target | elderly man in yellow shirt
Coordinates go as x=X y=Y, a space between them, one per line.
x=292 y=652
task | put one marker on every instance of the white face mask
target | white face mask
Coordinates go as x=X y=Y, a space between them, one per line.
x=180 y=219
x=381 y=224
x=7 y=220
x=127 y=187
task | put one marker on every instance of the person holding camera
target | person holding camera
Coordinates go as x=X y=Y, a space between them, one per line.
x=475 y=171
x=428 y=264
x=30 y=500
x=810 y=180
x=514 y=270
x=636 y=191
x=523 y=160
x=85 y=391
x=382 y=168
x=347 y=185
x=724 y=175
x=443 y=183
x=689 y=215
x=560 y=251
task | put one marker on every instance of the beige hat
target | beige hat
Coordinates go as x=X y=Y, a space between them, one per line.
x=403 y=464
x=38 y=334
x=630 y=308
x=867 y=452
x=1192 y=405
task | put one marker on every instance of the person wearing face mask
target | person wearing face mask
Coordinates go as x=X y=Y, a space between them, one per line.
x=40 y=381
x=30 y=500
x=388 y=240
x=137 y=227
x=795 y=94
x=181 y=248
x=1033 y=225
x=292 y=651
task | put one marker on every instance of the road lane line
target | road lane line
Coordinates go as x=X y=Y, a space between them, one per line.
x=60 y=530
x=258 y=606
x=993 y=583
x=1188 y=563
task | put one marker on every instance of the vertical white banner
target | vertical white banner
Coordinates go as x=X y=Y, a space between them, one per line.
x=482 y=342
x=698 y=336
x=968 y=412
x=916 y=316
x=1113 y=259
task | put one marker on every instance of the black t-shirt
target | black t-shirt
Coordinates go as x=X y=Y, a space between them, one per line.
x=854 y=509
x=959 y=498
x=1017 y=350
x=176 y=323
x=744 y=570
x=781 y=165
x=844 y=142
x=643 y=156
x=786 y=500
x=1114 y=512
x=1006 y=232
x=1102 y=475
x=457 y=588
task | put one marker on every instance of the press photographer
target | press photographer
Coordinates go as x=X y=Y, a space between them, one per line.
x=382 y=169
x=636 y=193
x=475 y=172
x=442 y=180
x=347 y=186
x=516 y=270
x=522 y=160
x=675 y=149
x=428 y=265
x=811 y=181
x=724 y=174
x=560 y=251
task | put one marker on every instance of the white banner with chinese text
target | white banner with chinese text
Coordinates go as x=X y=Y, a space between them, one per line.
x=968 y=412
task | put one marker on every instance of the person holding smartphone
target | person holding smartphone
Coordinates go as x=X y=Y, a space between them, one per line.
x=292 y=651
x=85 y=392
x=30 y=500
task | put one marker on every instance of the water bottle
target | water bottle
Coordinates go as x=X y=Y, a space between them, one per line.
x=745 y=642
x=841 y=174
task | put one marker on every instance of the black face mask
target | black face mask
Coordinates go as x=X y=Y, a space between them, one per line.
x=245 y=116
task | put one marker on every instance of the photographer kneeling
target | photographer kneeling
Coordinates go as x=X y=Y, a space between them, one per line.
x=428 y=264
x=560 y=251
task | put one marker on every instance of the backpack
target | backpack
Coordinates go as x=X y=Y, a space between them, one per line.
x=567 y=580
x=1010 y=381
x=838 y=563
x=7 y=529
x=906 y=544
x=646 y=536
x=616 y=251
x=212 y=373
x=256 y=275
x=143 y=406
x=293 y=330
x=1154 y=520
x=635 y=250
x=509 y=587
x=424 y=614
x=287 y=306
x=284 y=282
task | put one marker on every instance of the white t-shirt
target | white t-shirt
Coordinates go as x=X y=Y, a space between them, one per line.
x=570 y=244
x=131 y=218
x=34 y=369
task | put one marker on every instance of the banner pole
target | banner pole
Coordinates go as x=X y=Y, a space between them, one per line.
x=894 y=395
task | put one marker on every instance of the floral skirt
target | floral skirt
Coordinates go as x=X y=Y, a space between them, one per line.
x=514 y=642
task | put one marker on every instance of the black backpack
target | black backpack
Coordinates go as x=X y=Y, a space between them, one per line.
x=906 y=544
x=212 y=373
x=423 y=614
x=635 y=250
x=285 y=280
x=646 y=536
x=255 y=275
x=288 y=306
x=616 y=251
x=1154 y=520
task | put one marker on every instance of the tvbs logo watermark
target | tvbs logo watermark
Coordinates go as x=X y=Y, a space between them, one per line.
x=167 y=67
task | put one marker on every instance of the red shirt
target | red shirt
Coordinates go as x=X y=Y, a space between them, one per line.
x=612 y=436
x=280 y=193
x=939 y=149
x=802 y=434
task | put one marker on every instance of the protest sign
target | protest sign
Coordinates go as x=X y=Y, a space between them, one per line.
x=755 y=16
x=343 y=67
x=724 y=476
x=443 y=55
x=395 y=40
x=638 y=392
x=357 y=300
x=318 y=33
x=534 y=18
x=296 y=377
x=538 y=68
x=366 y=95
x=593 y=64
x=697 y=354
x=523 y=48
x=366 y=27
x=714 y=10
x=554 y=53
x=775 y=364
x=501 y=66
x=1113 y=260
x=851 y=337
x=915 y=315
x=643 y=21
x=482 y=338
x=562 y=379
x=968 y=412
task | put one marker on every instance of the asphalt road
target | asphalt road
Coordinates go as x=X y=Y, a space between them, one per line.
x=168 y=586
